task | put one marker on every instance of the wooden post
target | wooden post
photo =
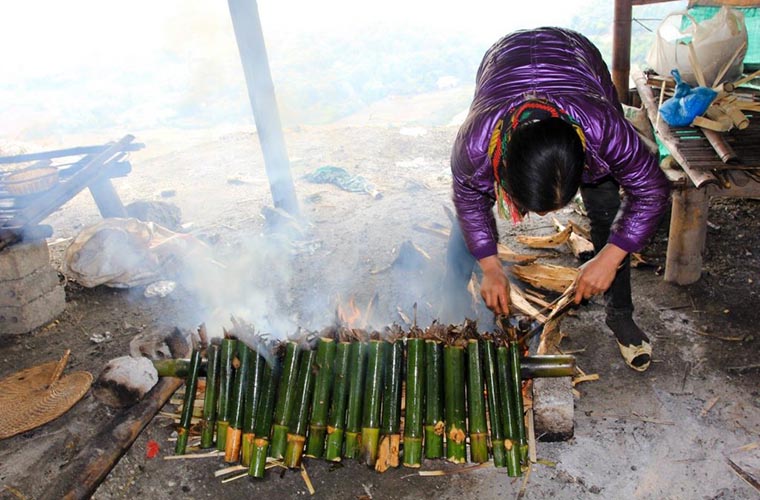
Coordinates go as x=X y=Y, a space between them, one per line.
x=253 y=55
x=107 y=199
x=621 y=48
x=686 y=240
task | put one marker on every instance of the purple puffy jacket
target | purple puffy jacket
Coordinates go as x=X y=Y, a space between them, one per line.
x=566 y=69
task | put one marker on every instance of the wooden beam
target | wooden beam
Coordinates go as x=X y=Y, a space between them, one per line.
x=621 y=48
x=686 y=239
x=253 y=55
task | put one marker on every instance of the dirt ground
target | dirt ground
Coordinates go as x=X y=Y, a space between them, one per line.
x=664 y=434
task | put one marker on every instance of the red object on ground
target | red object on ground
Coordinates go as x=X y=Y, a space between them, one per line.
x=152 y=449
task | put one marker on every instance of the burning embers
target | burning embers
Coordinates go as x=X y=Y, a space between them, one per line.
x=390 y=398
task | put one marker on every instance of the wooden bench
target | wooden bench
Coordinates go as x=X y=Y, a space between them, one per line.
x=702 y=175
x=89 y=167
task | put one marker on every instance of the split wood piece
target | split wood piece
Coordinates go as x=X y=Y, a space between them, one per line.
x=711 y=124
x=721 y=147
x=81 y=476
x=548 y=241
x=546 y=276
x=581 y=247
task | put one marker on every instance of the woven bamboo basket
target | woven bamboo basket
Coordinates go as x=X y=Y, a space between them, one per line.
x=31 y=180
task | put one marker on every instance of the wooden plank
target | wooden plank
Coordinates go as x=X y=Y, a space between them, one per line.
x=62 y=153
x=686 y=239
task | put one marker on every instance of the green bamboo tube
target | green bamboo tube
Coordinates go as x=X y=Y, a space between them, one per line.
x=516 y=382
x=263 y=420
x=285 y=396
x=494 y=401
x=253 y=391
x=226 y=372
x=390 y=420
x=509 y=413
x=415 y=395
x=434 y=423
x=237 y=402
x=176 y=367
x=336 y=418
x=208 y=422
x=191 y=384
x=454 y=403
x=476 y=408
x=530 y=370
x=373 y=391
x=299 y=418
x=323 y=382
x=356 y=377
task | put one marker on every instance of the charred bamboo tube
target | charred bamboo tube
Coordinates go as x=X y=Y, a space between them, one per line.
x=322 y=384
x=237 y=401
x=508 y=412
x=254 y=388
x=454 y=403
x=191 y=383
x=494 y=401
x=356 y=376
x=229 y=346
x=263 y=420
x=415 y=395
x=299 y=419
x=285 y=396
x=476 y=409
x=336 y=418
x=373 y=391
x=208 y=424
x=516 y=381
x=434 y=424
x=390 y=427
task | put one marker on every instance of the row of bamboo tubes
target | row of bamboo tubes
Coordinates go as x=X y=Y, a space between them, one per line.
x=347 y=394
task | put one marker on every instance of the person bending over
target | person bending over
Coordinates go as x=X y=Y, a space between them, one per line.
x=544 y=122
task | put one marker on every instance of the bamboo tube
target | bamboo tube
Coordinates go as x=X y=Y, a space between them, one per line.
x=476 y=410
x=509 y=413
x=191 y=384
x=516 y=382
x=373 y=391
x=254 y=388
x=415 y=395
x=454 y=403
x=176 y=367
x=208 y=424
x=229 y=346
x=434 y=423
x=494 y=400
x=285 y=397
x=390 y=427
x=356 y=376
x=322 y=385
x=237 y=401
x=263 y=420
x=336 y=418
x=547 y=366
x=299 y=418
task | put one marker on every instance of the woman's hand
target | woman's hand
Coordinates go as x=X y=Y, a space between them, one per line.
x=495 y=287
x=597 y=275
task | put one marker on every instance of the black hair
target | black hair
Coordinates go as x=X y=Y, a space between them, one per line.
x=543 y=165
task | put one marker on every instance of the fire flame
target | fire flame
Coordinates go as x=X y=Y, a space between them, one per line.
x=352 y=316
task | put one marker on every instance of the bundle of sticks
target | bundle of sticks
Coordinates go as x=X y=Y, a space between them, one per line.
x=385 y=399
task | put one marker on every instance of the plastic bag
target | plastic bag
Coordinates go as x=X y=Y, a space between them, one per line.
x=686 y=104
x=718 y=42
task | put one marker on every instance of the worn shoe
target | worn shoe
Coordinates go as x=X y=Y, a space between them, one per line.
x=633 y=343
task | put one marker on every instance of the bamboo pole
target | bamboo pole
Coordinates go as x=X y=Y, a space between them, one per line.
x=229 y=346
x=390 y=430
x=322 y=385
x=494 y=401
x=264 y=420
x=516 y=383
x=373 y=391
x=356 y=375
x=285 y=396
x=208 y=424
x=299 y=418
x=191 y=384
x=254 y=388
x=509 y=412
x=237 y=402
x=336 y=419
x=434 y=399
x=415 y=395
x=454 y=403
x=476 y=410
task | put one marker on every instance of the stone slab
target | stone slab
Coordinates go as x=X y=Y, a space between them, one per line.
x=553 y=408
x=16 y=320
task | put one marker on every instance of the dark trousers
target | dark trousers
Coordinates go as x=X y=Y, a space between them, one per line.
x=602 y=203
